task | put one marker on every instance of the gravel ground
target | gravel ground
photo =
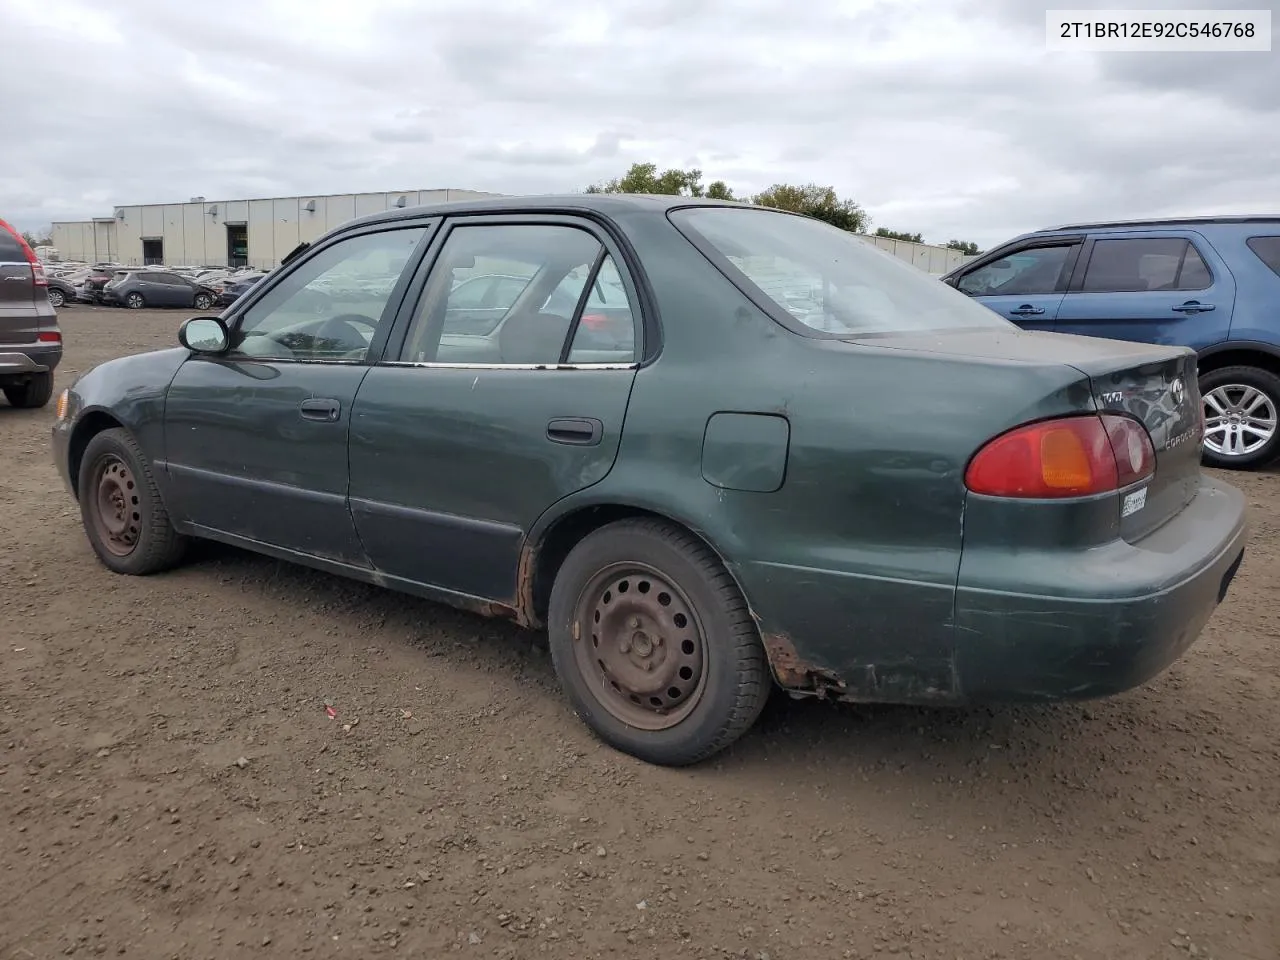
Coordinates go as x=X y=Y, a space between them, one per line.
x=171 y=786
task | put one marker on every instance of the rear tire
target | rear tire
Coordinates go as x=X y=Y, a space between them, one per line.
x=686 y=674
x=134 y=301
x=33 y=394
x=120 y=506
x=1241 y=405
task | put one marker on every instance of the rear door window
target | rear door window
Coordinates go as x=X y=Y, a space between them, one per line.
x=1139 y=265
x=1267 y=250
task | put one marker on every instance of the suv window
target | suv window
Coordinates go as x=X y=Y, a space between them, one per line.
x=546 y=268
x=332 y=304
x=1267 y=250
x=1029 y=272
x=1139 y=265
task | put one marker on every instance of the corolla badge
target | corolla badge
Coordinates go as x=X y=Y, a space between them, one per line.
x=1179 y=391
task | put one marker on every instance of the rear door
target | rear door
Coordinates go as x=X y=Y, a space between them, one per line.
x=1160 y=287
x=463 y=437
x=1024 y=284
x=176 y=291
x=19 y=322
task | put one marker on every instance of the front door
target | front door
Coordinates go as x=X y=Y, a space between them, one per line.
x=463 y=439
x=1024 y=286
x=256 y=439
x=1152 y=288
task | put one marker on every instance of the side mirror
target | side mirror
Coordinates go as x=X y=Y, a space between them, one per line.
x=204 y=335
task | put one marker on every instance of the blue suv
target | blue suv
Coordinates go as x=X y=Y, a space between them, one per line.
x=1210 y=283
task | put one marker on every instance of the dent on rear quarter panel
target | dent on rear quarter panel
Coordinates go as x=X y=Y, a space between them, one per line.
x=850 y=566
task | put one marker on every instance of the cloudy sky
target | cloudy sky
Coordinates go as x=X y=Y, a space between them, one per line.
x=947 y=117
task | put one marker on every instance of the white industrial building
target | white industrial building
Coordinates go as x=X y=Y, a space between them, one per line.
x=258 y=233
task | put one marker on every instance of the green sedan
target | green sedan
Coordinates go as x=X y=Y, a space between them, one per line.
x=713 y=449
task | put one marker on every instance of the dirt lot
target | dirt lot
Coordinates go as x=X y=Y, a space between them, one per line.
x=170 y=784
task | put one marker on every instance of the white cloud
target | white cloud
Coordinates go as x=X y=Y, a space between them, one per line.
x=941 y=116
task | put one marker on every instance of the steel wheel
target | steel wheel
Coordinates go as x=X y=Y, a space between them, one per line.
x=1239 y=420
x=645 y=656
x=135 y=301
x=114 y=506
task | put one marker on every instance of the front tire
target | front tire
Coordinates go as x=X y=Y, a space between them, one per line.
x=134 y=301
x=56 y=298
x=32 y=394
x=1242 y=417
x=654 y=644
x=124 y=518
x=203 y=302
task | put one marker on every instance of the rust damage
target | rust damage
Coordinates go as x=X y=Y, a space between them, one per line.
x=525 y=608
x=795 y=673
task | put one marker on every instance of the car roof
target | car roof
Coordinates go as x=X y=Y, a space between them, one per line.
x=604 y=203
x=1162 y=222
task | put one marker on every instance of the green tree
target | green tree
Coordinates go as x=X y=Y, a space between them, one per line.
x=899 y=235
x=816 y=201
x=645 y=178
x=968 y=248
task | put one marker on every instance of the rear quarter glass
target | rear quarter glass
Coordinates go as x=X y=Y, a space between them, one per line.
x=1267 y=249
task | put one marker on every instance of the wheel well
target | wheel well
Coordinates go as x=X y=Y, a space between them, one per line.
x=549 y=553
x=1239 y=358
x=89 y=427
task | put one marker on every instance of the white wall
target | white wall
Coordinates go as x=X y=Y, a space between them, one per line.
x=196 y=233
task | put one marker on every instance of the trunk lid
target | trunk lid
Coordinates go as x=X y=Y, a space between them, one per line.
x=1164 y=395
x=1153 y=383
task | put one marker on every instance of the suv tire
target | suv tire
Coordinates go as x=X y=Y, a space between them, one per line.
x=1225 y=392
x=32 y=394
x=135 y=301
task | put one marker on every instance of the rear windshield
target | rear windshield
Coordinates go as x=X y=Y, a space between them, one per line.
x=822 y=281
x=1268 y=251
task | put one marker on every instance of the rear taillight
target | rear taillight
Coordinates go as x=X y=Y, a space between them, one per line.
x=37 y=268
x=1065 y=457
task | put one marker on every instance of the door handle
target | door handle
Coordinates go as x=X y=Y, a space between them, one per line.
x=1193 y=306
x=577 y=431
x=1026 y=310
x=327 y=411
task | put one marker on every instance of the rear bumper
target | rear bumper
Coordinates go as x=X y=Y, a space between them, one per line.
x=1081 y=624
x=34 y=358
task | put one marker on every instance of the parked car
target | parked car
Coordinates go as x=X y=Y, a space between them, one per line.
x=30 y=340
x=1210 y=283
x=233 y=288
x=61 y=292
x=100 y=274
x=890 y=494
x=153 y=288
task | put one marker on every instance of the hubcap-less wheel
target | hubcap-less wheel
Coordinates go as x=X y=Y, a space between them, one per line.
x=135 y=301
x=115 y=506
x=645 y=655
x=1238 y=420
x=56 y=299
x=203 y=302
